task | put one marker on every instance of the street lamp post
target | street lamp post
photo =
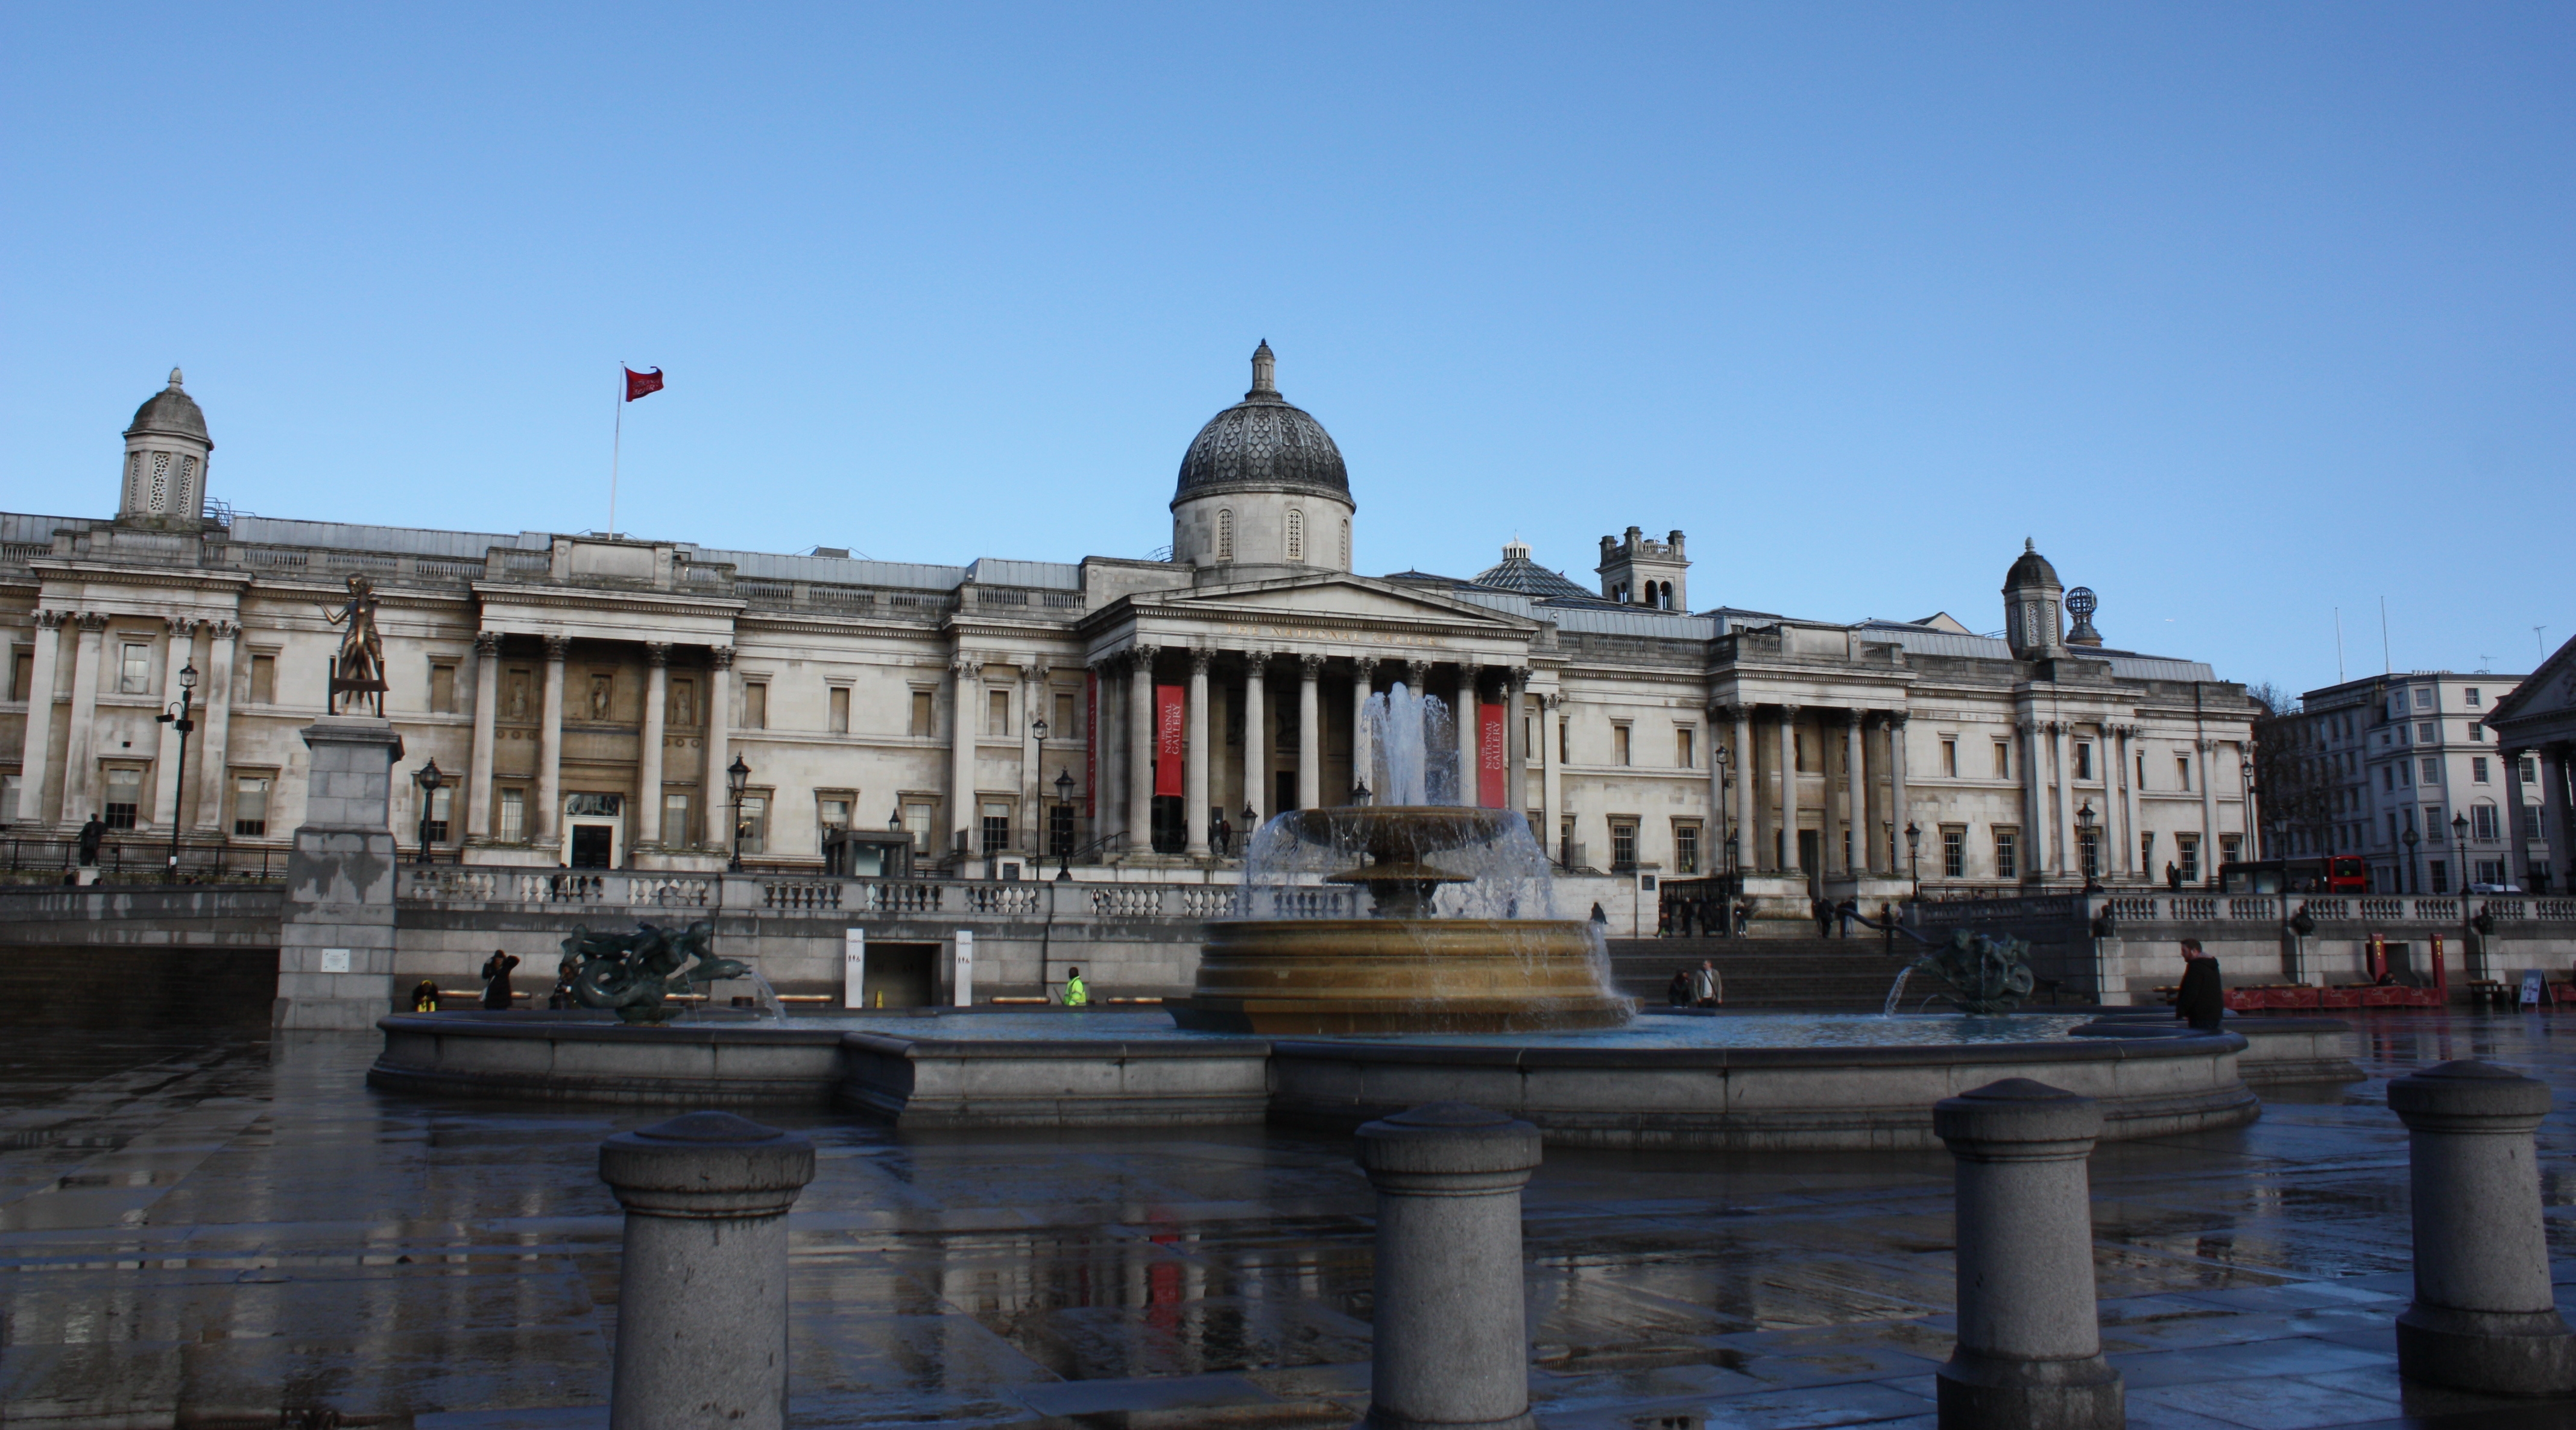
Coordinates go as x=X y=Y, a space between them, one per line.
x=430 y=781
x=2460 y=843
x=2411 y=877
x=182 y=723
x=737 y=779
x=2084 y=821
x=1038 y=727
x=1064 y=846
x=1914 y=858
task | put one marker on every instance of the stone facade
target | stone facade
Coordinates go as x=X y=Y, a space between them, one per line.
x=584 y=697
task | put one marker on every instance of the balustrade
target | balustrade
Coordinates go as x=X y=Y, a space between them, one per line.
x=1126 y=901
x=799 y=895
x=1012 y=898
x=2258 y=907
x=905 y=898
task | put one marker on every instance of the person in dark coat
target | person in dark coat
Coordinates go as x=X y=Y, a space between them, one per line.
x=496 y=979
x=1677 y=994
x=1824 y=913
x=92 y=835
x=2173 y=877
x=1844 y=913
x=2202 y=999
x=1599 y=917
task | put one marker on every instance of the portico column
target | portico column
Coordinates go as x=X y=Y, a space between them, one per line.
x=2517 y=842
x=1746 y=763
x=181 y=651
x=1256 y=739
x=2555 y=820
x=1470 y=720
x=1310 y=731
x=2130 y=850
x=966 y=676
x=549 y=811
x=718 y=818
x=1551 y=777
x=1108 y=796
x=1788 y=826
x=1517 y=725
x=213 y=750
x=1855 y=850
x=2209 y=812
x=1140 y=749
x=648 y=761
x=36 y=754
x=2062 y=830
x=1363 y=752
x=487 y=704
x=1898 y=815
x=80 y=768
x=1194 y=784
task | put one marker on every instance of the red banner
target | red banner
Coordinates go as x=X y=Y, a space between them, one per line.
x=1171 y=737
x=639 y=384
x=1091 y=745
x=1489 y=756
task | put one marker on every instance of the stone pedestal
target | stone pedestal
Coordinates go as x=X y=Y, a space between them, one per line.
x=335 y=956
x=2484 y=1317
x=2030 y=1342
x=1450 y=1346
x=702 y=1285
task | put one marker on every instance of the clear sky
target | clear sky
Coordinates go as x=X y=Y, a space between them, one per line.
x=2245 y=312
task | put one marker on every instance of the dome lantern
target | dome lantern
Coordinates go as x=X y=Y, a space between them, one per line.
x=167 y=450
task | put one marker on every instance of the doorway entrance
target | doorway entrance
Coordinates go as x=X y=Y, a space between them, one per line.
x=594 y=830
x=1811 y=858
x=1283 y=790
x=900 y=975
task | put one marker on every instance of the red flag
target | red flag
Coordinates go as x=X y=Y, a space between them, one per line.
x=640 y=383
x=1171 y=738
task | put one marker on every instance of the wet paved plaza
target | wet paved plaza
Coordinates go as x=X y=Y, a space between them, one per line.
x=207 y=1233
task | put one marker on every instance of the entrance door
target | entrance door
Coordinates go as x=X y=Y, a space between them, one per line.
x=1283 y=790
x=594 y=846
x=1811 y=858
x=1171 y=831
x=900 y=975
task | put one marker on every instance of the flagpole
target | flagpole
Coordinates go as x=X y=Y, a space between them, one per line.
x=616 y=440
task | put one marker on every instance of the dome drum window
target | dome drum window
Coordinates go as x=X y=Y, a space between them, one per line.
x=1225 y=535
x=1296 y=535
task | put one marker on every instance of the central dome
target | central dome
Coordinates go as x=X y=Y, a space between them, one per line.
x=1263 y=444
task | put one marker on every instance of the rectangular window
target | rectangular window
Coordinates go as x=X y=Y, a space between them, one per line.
x=997 y=826
x=124 y=796
x=2182 y=772
x=917 y=817
x=1067 y=724
x=1685 y=846
x=2188 y=847
x=1798 y=746
x=1950 y=758
x=2428 y=734
x=755 y=824
x=2007 y=848
x=439 y=805
x=2478 y=770
x=832 y=811
x=2431 y=773
x=2003 y=759
x=2440 y=872
x=1060 y=830
x=1564 y=743
x=134 y=670
x=837 y=717
x=675 y=819
x=1954 y=853
x=22 y=675
x=442 y=690
x=1623 y=845
x=755 y=705
x=1618 y=744
x=2147 y=851
x=2083 y=760
x=2491 y=872
x=2423 y=699
x=923 y=717
x=250 y=806
x=2227 y=848
x=2530 y=770
x=2482 y=822
x=2471 y=696
x=1685 y=751
x=680 y=703
x=514 y=816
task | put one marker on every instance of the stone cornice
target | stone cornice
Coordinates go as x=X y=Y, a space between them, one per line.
x=578 y=598
x=197 y=578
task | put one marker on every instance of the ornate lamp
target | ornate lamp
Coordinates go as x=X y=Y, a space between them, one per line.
x=1914 y=856
x=1064 y=847
x=2084 y=821
x=431 y=781
x=180 y=721
x=737 y=779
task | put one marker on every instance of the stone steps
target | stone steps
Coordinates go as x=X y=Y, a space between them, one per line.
x=1816 y=974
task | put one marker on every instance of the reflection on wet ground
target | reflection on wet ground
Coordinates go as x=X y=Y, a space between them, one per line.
x=215 y=1231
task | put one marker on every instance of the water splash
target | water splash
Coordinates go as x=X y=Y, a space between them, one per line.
x=1413 y=748
x=1896 y=991
x=768 y=995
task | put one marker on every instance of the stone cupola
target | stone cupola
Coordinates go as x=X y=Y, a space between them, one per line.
x=1637 y=570
x=166 y=452
x=2033 y=599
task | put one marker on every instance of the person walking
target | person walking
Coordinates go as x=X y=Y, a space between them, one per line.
x=1677 y=994
x=1076 y=995
x=1824 y=913
x=1743 y=918
x=1708 y=988
x=496 y=979
x=2202 y=999
x=1844 y=913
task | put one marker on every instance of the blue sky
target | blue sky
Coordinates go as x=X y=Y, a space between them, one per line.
x=2246 y=313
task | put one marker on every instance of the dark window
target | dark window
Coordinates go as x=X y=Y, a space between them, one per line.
x=1685 y=847
x=1954 y=853
x=1623 y=846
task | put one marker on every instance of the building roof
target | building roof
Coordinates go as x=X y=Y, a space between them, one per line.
x=1263 y=444
x=2031 y=569
x=1518 y=573
x=171 y=410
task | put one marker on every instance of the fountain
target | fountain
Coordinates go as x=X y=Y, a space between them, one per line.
x=1469 y=962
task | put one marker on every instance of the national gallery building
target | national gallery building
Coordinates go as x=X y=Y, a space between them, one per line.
x=597 y=701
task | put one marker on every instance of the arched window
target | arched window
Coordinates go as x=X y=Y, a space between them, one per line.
x=1225 y=535
x=1296 y=535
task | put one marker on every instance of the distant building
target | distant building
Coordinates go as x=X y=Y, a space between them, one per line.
x=2368 y=763
x=585 y=695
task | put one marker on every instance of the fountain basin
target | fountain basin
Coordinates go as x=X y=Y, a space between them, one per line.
x=1733 y=1082
x=1311 y=976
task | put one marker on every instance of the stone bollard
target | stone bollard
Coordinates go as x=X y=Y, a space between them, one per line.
x=2030 y=1340
x=1450 y=1346
x=2484 y=1317
x=702 y=1289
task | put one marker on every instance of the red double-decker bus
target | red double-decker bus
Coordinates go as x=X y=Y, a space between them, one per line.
x=2323 y=874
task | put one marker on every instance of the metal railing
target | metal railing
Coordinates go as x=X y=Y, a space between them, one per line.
x=141 y=858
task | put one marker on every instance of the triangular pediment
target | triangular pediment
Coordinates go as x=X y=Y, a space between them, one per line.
x=2550 y=690
x=1334 y=597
